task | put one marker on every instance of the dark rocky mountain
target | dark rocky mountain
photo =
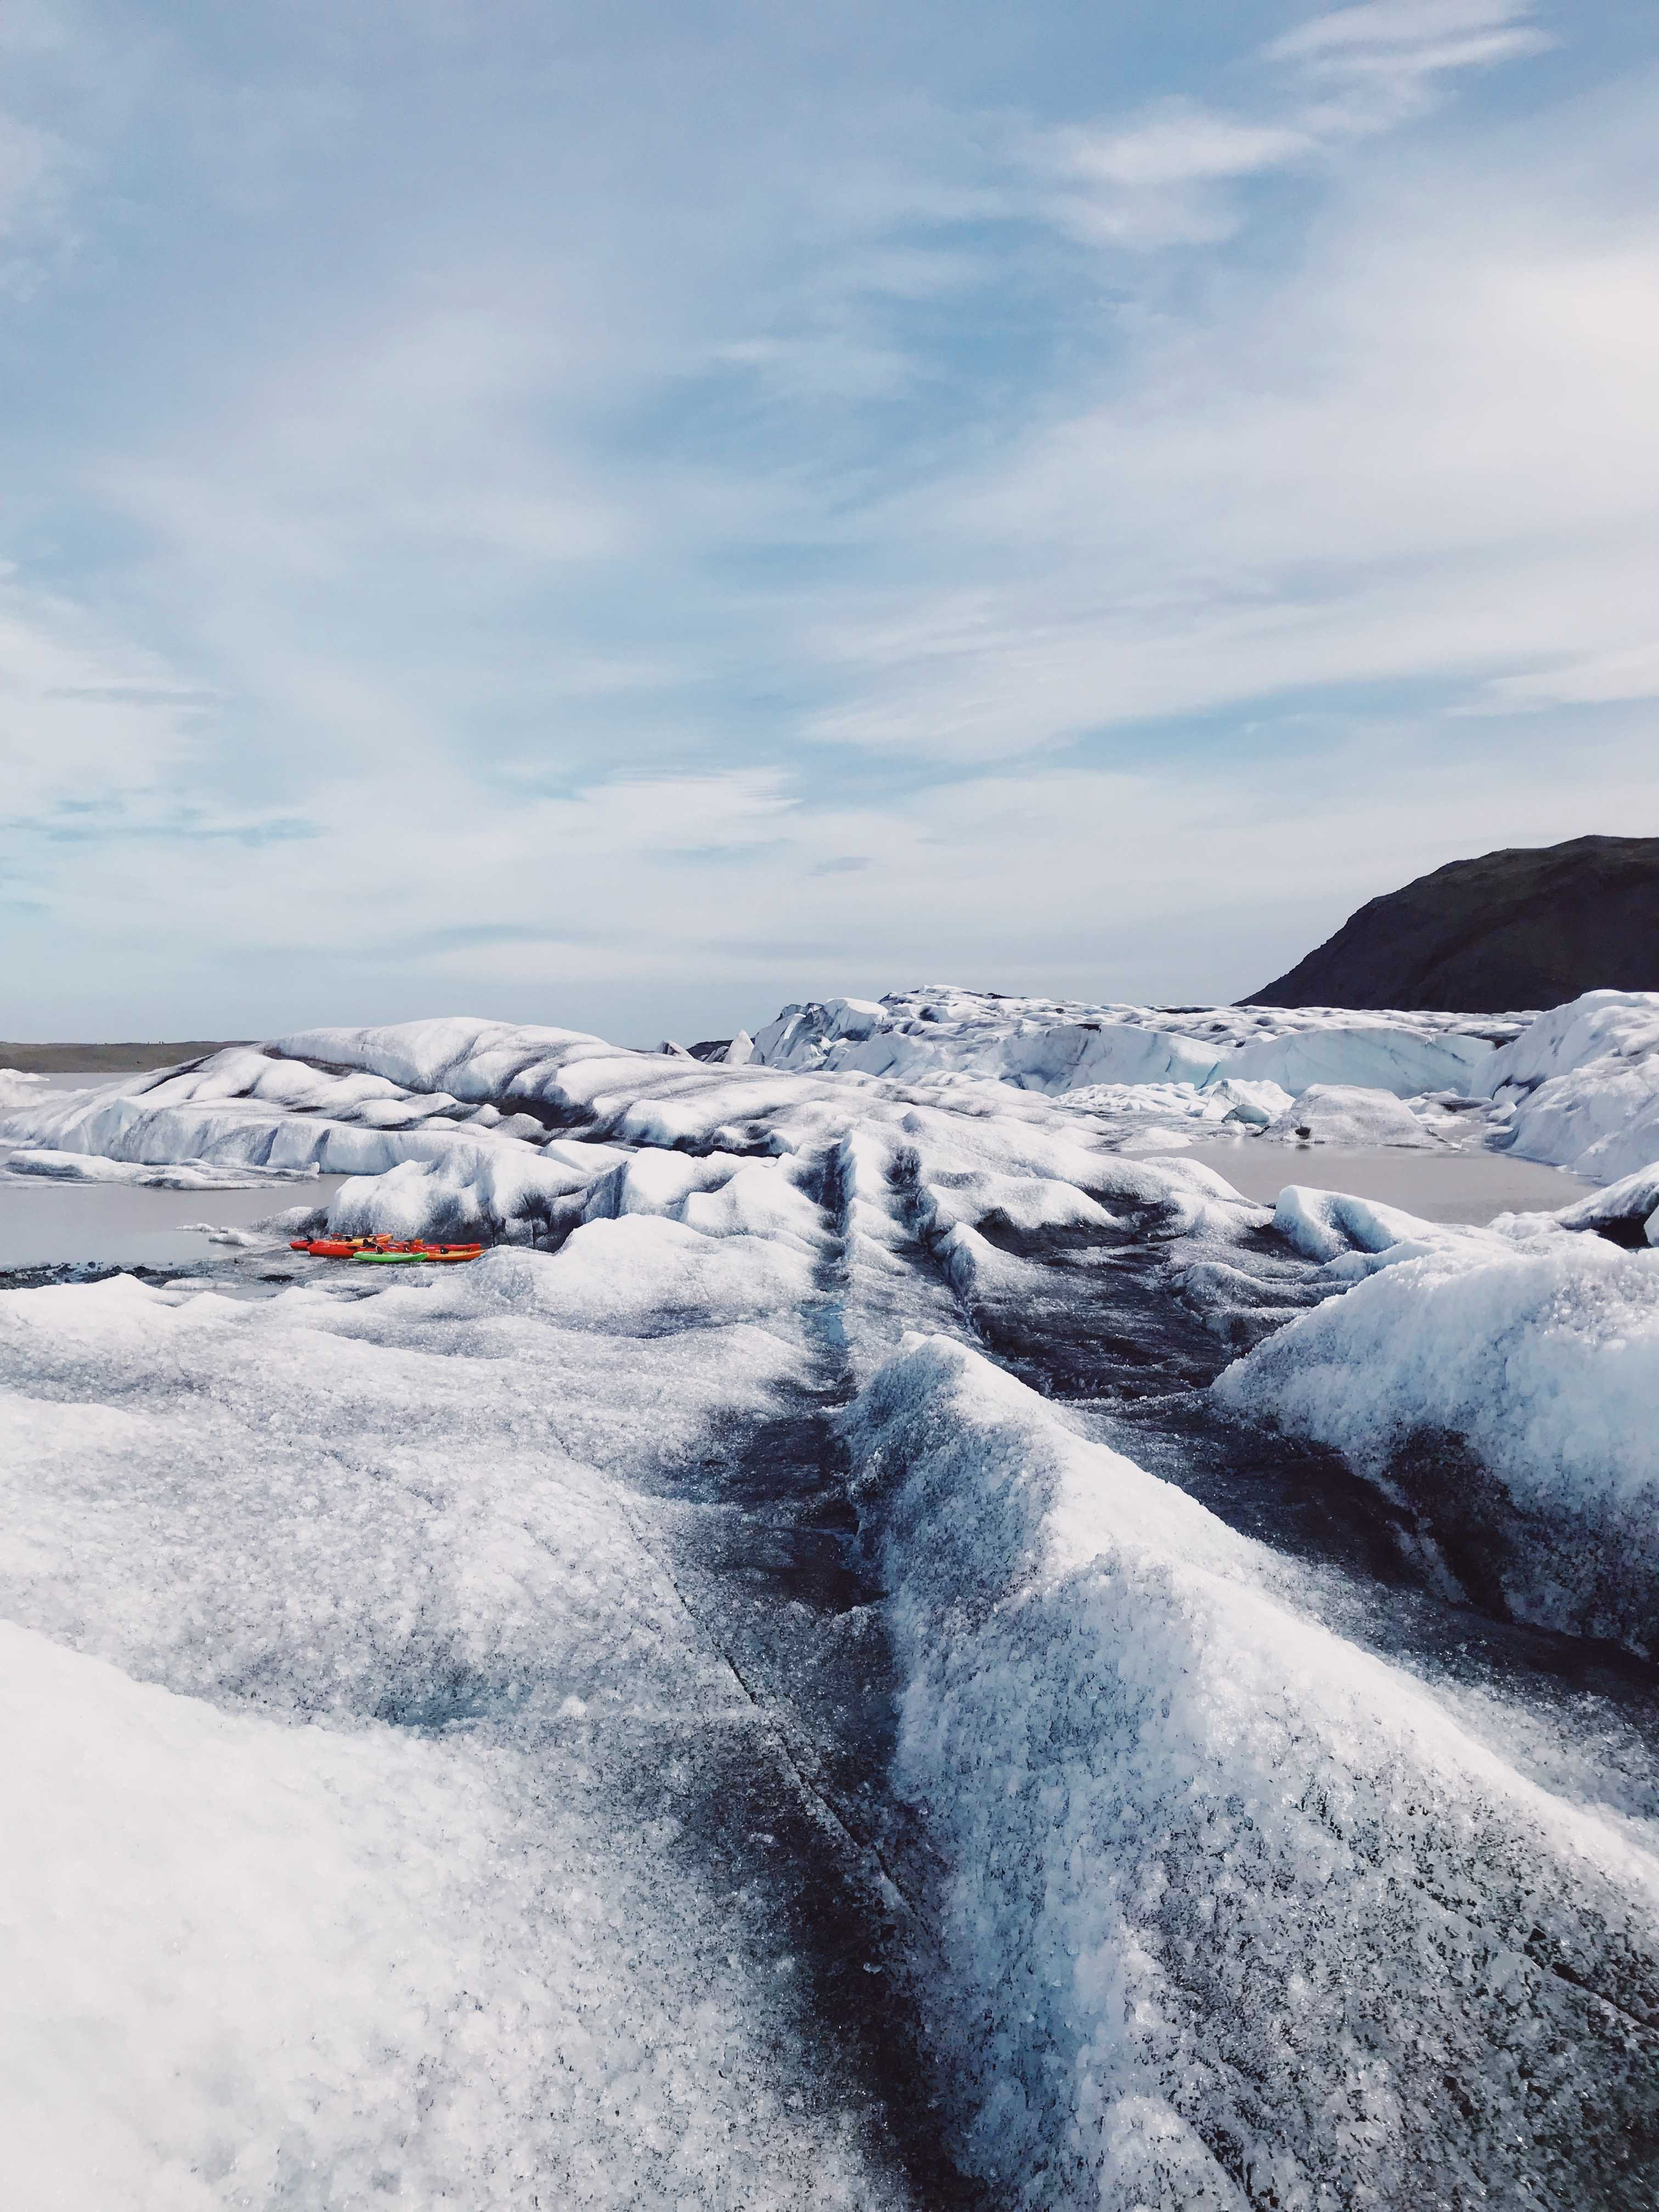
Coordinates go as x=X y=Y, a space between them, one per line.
x=1526 y=927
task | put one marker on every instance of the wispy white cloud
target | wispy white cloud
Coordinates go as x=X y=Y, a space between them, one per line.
x=1606 y=679
x=30 y=161
x=1185 y=144
x=1409 y=26
x=1383 y=65
x=85 y=717
x=1159 y=178
x=1153 y=181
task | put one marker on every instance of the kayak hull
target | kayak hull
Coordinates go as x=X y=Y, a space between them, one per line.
x=415 y=1255
x=383 y=1250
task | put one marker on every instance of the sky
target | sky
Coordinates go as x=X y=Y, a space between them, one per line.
x=627 y=516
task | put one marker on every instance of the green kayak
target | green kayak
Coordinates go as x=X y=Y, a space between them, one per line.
x=391 y=1259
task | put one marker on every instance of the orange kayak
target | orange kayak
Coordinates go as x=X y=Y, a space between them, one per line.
x=380 y=1248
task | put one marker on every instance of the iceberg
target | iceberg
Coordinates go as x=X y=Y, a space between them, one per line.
x=1346 y=1114
x=18 y=1088
x=1626 y=1211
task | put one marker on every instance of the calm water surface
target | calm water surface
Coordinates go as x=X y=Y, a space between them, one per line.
x=44 y=1223
x=1472 y=1186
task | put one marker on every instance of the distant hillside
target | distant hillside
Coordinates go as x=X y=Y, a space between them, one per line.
x=1528 y=926
x=106 y=1058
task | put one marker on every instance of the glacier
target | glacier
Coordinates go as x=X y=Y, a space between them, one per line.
x=1062 y=1045
x=1583 y=1083
x=1226 y=1902
x=895 y=1642
x=1507 y=1390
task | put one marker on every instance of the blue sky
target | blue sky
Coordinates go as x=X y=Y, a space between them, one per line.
x=623 y=517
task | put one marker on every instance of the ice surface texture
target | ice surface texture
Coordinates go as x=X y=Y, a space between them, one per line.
x=1510 y=1394
x=1582 y=1080
x=1343 y=1114
x=453 y=1126
x=420 y=1801
x=1233 y=1913
x=473 y=1113
x=352 y=1724
x=18 y=1088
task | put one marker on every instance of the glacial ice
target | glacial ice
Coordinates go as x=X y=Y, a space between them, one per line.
x=1330 y=1224
x=1510 y=1392
x=361 y=1725
x=1628 y=1209
x=515 y=1124
x=1238 y=1099
x=1060 y=1045
x=1346 y=1114
x=179 y=1174
x=1583 y=1079
x=484 y=1105
x=508 y=1638
x=18 y=1088
x=1226 y=1903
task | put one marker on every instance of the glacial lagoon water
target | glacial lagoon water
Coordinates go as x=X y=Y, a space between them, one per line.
x=1450 y=1186
x=44 y=1223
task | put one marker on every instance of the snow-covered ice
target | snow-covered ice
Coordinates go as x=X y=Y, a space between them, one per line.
x=456 y=1126
x=18 y=1088
x=360 y=1727
x=1627 y=1210
x=1331 y=1225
